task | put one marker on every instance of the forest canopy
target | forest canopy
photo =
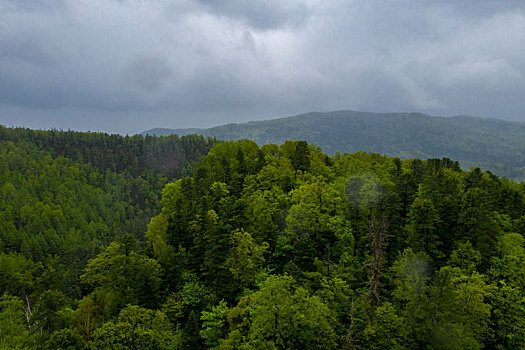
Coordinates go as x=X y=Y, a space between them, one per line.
x=272 y=247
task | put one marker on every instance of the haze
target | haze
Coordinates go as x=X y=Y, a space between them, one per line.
x=126 y=66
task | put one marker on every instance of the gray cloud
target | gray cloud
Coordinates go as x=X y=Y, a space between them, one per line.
x=147 y=73
x=264 y=15
x=130 y=65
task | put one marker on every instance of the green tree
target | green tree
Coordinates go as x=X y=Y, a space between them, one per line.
x=508 y=317
x=89 y=314
x=18 y=274
x=460 y=309
x=422 y=228
x=509 y=263
x=124 y=276
x=508 y=300
x=283 y=316
x=214 y=324
x=13 y=325
x=137 y=328
x=245 y=257
x=51 y=312
x=388 y=330
x=478 y=223
x=412 y=274
x=65 y=339
x=313 y=221
x=465 y=257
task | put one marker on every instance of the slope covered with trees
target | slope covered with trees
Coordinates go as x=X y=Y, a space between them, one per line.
x=491 y=144
x=266 y=247
x=64 y=196
x=171 y=156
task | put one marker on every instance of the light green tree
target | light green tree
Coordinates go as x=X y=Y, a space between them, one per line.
x=245 y=257
x=388 y=330
x=13 y=325
x=214 y=324
x=460 y=309
x=137 y=328
x=281 y=315
x=123 y=276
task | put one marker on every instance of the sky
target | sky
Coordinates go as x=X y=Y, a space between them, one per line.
x=125 y=66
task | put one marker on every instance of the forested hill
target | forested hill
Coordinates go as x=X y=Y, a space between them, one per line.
x=488 y=143
x=172 y=156
x=272 y=247
x=96 y=185
x=64 y=196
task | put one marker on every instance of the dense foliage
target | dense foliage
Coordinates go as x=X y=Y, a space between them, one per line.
x=171 y=156
x=491 y=144
x=64 y=196
x=272 y=247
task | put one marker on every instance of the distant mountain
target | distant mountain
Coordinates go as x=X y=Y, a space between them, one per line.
x=491 y=144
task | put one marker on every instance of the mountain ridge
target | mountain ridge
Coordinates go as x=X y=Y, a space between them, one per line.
x=489 y=143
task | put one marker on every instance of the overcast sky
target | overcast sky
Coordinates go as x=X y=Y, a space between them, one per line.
x=130 y=65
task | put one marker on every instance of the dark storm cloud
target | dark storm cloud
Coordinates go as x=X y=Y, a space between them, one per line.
x=130 y=65
x=270 y=14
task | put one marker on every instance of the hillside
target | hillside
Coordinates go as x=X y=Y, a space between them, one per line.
x=359 y=250
x=491 y=144
x=64 y=197
x=171 y=156
x=66 y=194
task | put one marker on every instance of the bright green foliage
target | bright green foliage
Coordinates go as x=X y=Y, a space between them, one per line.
x=67 y=208
x=465 y=257
x=13 y=325
x=124 y=277
x=388 y=331
x=412 y=278
x=214 y=324
x=156 y=235
x=245 y=258
x=283 y=316
x=137 y=328
x=184 y=307
x=65 y=339
x=450 y=312
x=312 y=221
x=66 y=195
x=508 y=317
x=316 y=222
x=89 y=314
x=364 y=190
x=509 y=264
x=508 y=272
x=337 y=294
x=263 y=209
x=268 y=247
x=460 y=311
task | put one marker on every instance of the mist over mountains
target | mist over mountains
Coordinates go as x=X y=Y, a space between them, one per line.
x=491 y=144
